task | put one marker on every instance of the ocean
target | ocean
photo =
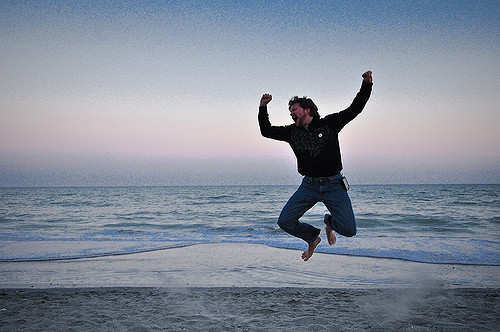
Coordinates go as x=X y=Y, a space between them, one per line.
x=447 y=224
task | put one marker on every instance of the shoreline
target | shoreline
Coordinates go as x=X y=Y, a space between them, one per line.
x=242 y=265
x=145 y=251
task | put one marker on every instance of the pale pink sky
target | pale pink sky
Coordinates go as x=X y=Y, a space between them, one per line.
x=170 y=85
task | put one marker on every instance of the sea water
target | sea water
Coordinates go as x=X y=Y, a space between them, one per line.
x=451 y=224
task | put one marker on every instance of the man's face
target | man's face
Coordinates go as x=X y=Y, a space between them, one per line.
x=299 y=115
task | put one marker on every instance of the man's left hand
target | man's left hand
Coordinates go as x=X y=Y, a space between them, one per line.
x=367 y=77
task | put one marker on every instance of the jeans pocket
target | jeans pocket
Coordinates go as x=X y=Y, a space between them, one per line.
x=334 y=181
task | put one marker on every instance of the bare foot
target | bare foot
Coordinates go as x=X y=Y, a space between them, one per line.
x=310 y=249
x=330 y=235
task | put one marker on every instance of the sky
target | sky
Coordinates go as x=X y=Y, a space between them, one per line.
x=167 y=92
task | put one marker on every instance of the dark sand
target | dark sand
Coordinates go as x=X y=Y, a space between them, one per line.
x=249 y=309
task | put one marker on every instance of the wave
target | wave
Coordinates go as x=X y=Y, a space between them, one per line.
x=434 y=251
x=87 y=254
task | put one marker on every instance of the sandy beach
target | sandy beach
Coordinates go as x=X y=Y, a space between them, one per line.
x=248 y=309
x=246 y=287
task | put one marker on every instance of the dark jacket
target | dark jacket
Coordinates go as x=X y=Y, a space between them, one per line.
x=317 y=146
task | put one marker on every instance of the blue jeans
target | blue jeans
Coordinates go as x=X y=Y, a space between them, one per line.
x=330 y=192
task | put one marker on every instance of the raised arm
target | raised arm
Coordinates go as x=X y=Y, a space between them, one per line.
x=339 y=120
x=266 y=129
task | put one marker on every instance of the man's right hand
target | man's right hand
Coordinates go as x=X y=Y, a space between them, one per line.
x=266 y=98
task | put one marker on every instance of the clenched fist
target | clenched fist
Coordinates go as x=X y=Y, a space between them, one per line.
x=266 y=98
x=367 y=77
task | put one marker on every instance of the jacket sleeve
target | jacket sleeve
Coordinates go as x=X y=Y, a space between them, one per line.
x=280 y=133
x=339 y=120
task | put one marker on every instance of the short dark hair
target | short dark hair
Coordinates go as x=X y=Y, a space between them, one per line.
x=305 y=102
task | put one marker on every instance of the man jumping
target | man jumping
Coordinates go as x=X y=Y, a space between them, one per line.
x=315 y=142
